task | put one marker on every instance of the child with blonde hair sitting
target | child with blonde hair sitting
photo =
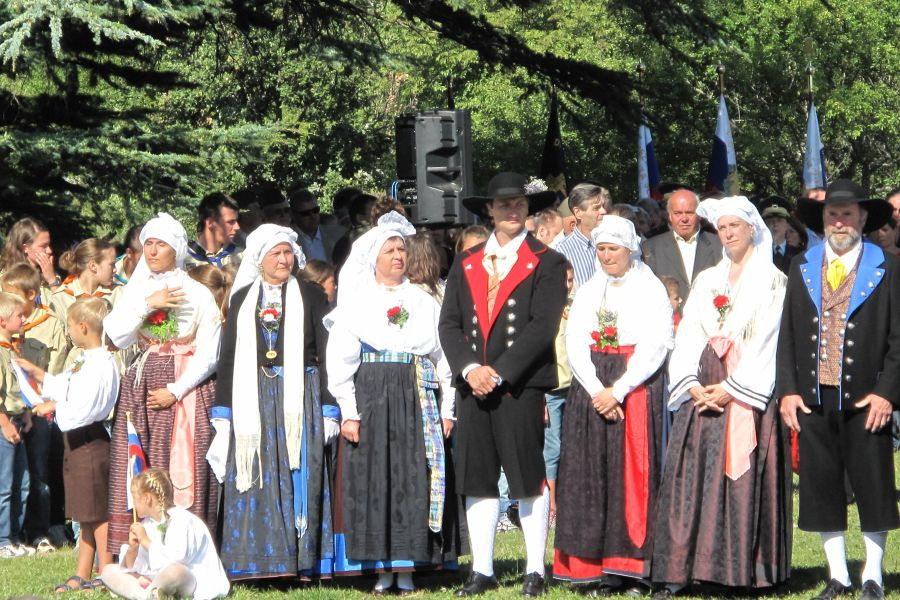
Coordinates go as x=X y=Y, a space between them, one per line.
x=169 y=551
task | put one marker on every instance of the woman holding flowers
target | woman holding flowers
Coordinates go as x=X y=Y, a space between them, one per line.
x=724 y=512
x=617 y=338
x=396 y=510
x=272 y=423
x=167 y=392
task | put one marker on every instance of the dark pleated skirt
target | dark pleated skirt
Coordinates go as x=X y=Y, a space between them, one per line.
x=713 y=529
x=592 y=537
x=382 y=495
x=86 y=473
x=154 y=428
x=260 y=534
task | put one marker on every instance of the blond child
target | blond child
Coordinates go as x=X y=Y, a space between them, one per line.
x=81 y=398
x=170 y=550
x=15 y=421
x=44 y=344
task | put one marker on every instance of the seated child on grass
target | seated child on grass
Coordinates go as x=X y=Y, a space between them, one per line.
x=169 y=549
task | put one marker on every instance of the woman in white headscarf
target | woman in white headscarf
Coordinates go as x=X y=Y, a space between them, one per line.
x=271 y=422
x=389 y=375
x=724 y=509
x=617 y=338
x=167 y=392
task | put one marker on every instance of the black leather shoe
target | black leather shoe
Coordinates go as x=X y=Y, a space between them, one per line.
x=871 y=591
x=834 y=589
x=663 y=594
x=592 y=590
x=636 y=591
x=477 y=584
x=533 y=585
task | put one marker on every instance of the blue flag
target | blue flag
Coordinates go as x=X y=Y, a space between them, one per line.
x=722 y=160
x=648 y=168
x=814 y=175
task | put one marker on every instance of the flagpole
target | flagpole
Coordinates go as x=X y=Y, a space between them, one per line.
x=641 y=68
x=810 y=70
x=809 y=51
x=130 y=469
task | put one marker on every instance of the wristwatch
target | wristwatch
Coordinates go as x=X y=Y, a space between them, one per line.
x=56 y=281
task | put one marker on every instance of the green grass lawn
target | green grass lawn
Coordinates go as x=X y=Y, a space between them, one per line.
x=37 y=575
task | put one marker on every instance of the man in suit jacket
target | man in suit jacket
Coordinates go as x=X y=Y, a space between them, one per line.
x=317 y=240
x=838 y=376
x=776 y=211
x=502 y=305
x=685 y=250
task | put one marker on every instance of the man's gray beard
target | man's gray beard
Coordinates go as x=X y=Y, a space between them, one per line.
x=851 y=240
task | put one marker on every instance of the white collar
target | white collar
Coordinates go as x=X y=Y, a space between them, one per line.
x=512 y=246
x=163 y=276
x=690 y=240
x=849 y=258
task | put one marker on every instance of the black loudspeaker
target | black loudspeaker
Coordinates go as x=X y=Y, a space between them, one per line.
x=434 y=166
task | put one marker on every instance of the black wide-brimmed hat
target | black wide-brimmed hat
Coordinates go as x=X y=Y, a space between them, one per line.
x=509 y=185
x=843 y=191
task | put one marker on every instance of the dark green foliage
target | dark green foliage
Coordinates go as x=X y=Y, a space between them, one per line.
x=111 y=110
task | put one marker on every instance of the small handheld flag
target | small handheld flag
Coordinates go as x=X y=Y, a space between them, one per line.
x=814 y=174
x=137 y=462
x=31 y=394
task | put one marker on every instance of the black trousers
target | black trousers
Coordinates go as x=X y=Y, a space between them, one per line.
x=501 y=430
x=832 y=441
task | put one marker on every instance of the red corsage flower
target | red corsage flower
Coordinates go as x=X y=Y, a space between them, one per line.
x=397 y=315
x=595 y=335
x=722 y=303
x=610 y=332
x=157 y=317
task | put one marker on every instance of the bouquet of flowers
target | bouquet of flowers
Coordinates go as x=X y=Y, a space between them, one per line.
x=398 y=316
x=606 y=334
x=161 y=324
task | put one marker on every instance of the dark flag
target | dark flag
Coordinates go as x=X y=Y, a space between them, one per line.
x=553 y=165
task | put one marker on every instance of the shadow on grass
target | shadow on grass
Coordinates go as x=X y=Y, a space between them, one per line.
x=508 y=571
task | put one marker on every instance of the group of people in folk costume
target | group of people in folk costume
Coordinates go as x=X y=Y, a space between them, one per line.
x=360 y=438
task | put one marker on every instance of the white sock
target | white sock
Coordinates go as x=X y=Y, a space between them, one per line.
x=874 y=554
x=385 y=581
x=482 y=515
x=535 y=516
x=404 y=581
x=835 y=552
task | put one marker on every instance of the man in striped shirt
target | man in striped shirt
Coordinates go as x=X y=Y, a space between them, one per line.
x=588 y=202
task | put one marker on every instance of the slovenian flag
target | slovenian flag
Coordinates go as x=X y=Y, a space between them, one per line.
x=648 y=168
x=722 y=160
x=31 y=394
x=814 y=175
x=137 y=462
